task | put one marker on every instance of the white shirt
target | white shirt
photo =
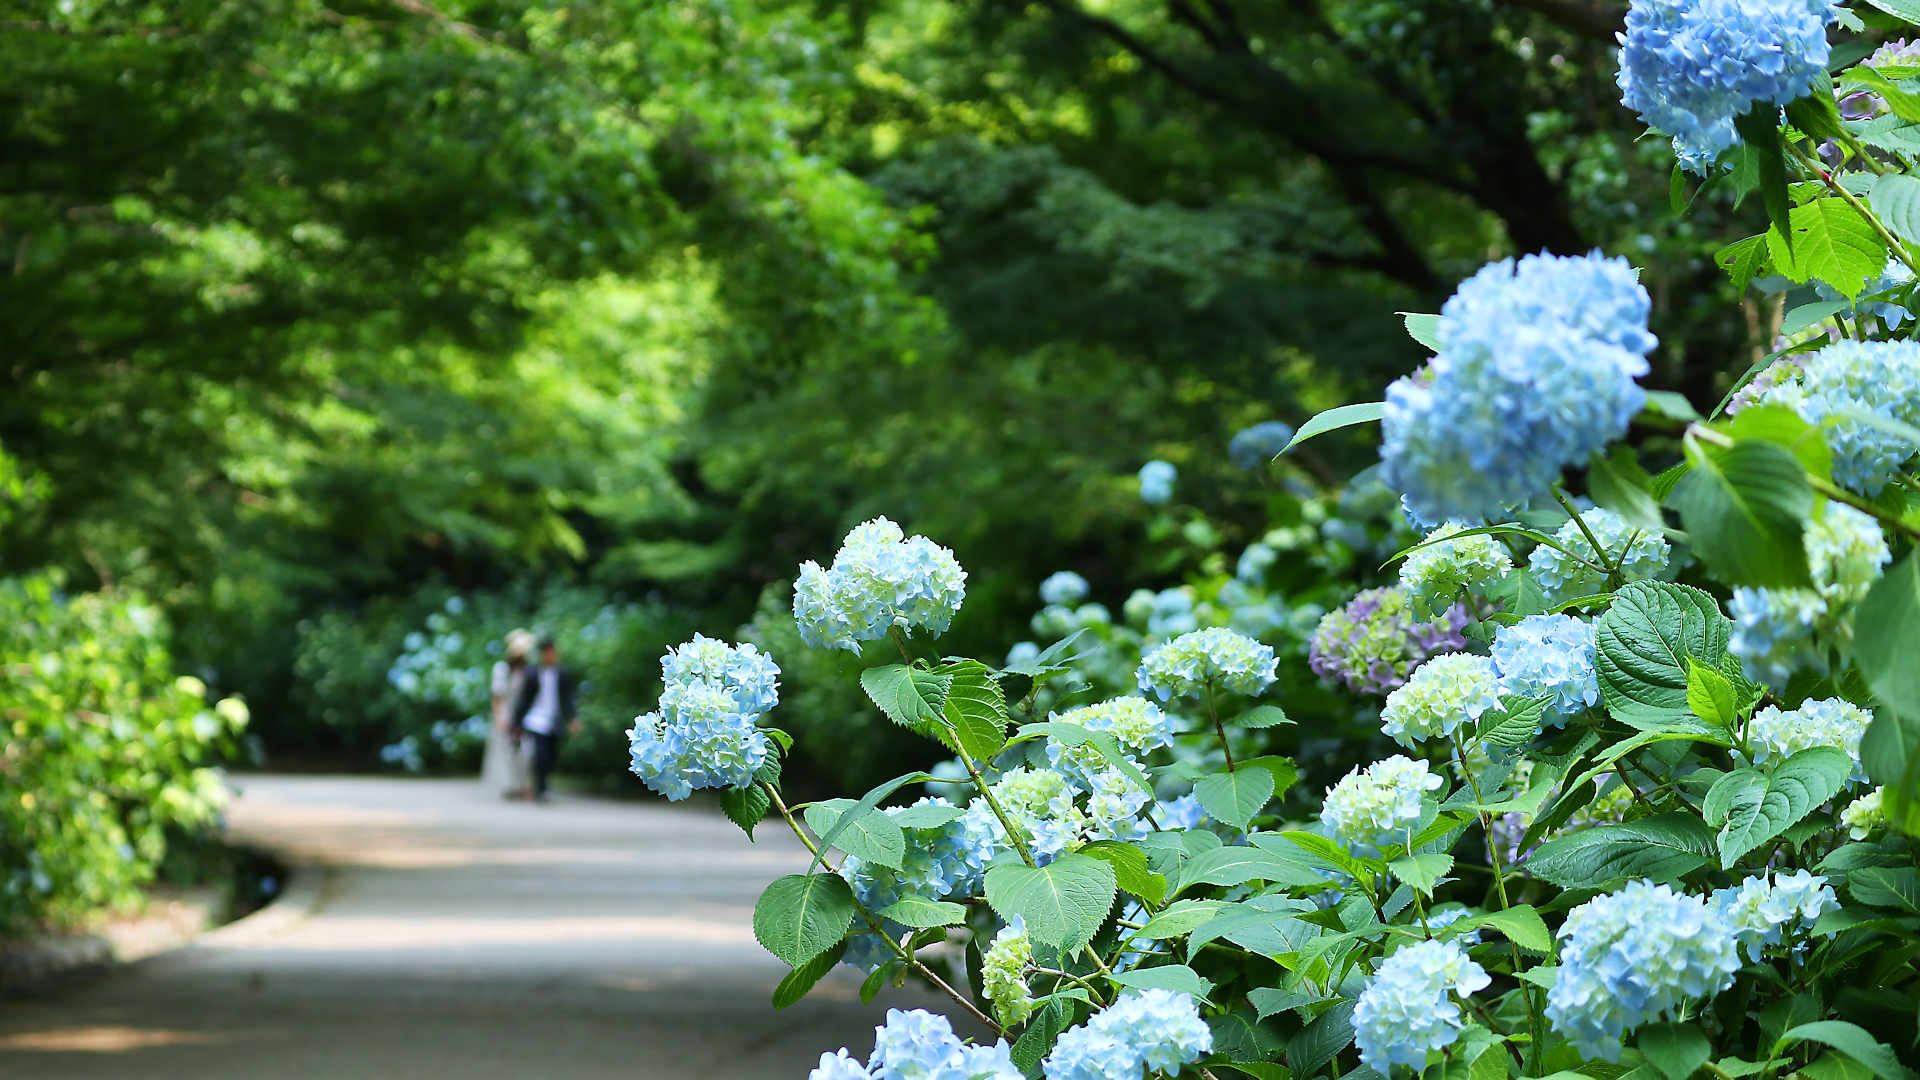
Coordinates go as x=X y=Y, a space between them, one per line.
x=545 y=713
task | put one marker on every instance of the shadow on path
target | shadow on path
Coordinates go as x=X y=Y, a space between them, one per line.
x=458 y=935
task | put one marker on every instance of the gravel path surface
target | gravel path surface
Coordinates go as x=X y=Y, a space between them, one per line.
x=437 y=931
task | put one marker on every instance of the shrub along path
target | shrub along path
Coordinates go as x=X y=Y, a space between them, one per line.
x=454 y=934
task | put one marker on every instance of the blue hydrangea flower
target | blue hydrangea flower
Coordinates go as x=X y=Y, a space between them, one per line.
x=879 y=579
x=1880 y=378
x=919 y=1045
x=744 y=671
x=1373 y=642
x=1144 y=1032
x=1763 y=911
x=1437 y=573
x=1691 y=67
x=1156 y=482
x=1549 y=656
x=1181 y=814
x=1638 y=553
x=1444 y=917
x=1776 y=630
x=1535 y=372
x=1065 y=588
x=1254 y=562
x=941 y=861
x=1774 y=736
x=1864 y=814
x=704 y=733
x=1137 y=724
x=1216 y=656
x=1632 y=956
x=1172 y=613
x=1406 y=1008
x=1443 y=693
x=1253 y=447
x=1375 y=806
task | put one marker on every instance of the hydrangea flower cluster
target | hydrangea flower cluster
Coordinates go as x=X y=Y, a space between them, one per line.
x=1252 y=447
x=1762 y=911
x=1373 y=643
x=1254 y=562
x=1864 y=814
x=1044 y=806
x=1443 y=693
x=1630 y=956
x=1192 y=662
x=940 y=861
x=1138 y=725
x=1784 y=370
x=879 y=579
x=1776 y=630
x=1064 y=588
x=1691 y=67
x=1407 y=1009
x=704 y=733
x=919 y=1044
x=1375 y=806
x=1535 y=371
x=1437 y=573
x=1638 y=553
x=1164 y=613
x=1549 y=656
x=1144 y=1032
x=1773 y=735
x=1156 y=482
x=1003 y=973
x=1881 y=378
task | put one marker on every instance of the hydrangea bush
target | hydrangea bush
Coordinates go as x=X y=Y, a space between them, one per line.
x=1651 y=671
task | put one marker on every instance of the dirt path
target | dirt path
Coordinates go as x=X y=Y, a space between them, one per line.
x=452 y=934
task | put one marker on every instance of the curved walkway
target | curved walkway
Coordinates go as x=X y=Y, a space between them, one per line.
x=454 y=934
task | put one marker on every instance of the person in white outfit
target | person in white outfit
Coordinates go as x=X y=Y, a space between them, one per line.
x=504 y=768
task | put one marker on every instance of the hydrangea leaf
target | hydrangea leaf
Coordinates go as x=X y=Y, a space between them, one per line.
x=1886 y=886
x=800 y=916
x=1521 y=924
x=976 y=710
x=867 y=802
x=1043 y=1027
x=1642 y=645
x=909 y=696
x=1227 y=866
x=1900 y=9
x=1285 y=773
x=925 y=816
x=1759 y=129
x=921 y=913
x=1268 y=925
x=1241 y=1035
x=1268 y=1000
x=1515 y=722
x=1675 y=1049
x=1888 y=619
x=1131 y=869
x=1063 y=902
x=745 y=806
x=1422 y=872
x=877 y=978
x=1830 y=242
x=1367 y=412
x=797 y=982
x=1752 y=808
x=1853 y=1041
x=868 y=834
x=1328 y=852
x=1262 y=716
x=1744 y=508
x=1743 y=260
x=1316 y=1044
x=1180 y=918
x=1424 y=329
x=1235 y=797
x=1660 y=848
x=1176 y=977
x=1890 y=751
x=1711 y=695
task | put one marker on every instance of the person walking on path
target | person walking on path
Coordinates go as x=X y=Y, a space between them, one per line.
x=544 y=711
x=504 y=768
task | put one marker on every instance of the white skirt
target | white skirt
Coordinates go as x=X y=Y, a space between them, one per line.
x=504 y=768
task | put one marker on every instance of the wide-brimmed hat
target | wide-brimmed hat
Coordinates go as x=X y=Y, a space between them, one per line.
x=519 y=644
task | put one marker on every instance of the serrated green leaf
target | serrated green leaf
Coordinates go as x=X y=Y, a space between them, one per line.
x=1514 y=723
x=925 y=816
x=1036 y=1042
x=1176 y=977
x=1063 y=902
x=1238 y=865
x=1520 y=924
x=1677 y=1050
x=1711 y=695
x=1331 y=1032
x=1263 y=716
x=1759 y=130
x=1662 y=848
x=1889 y=621
x=1424 y=329
x=1744 y=508
x=1853 y=1041
x=1321 y=848
x=1270 y=925
x=1830 y=242
x=858 y=811
x=921 y=913
x=1890 y=752
x=1886 y=887
x=1334 y=419
x=797 y=982
x=1182 y=917
x=975 y=709
x=1900 y=9
x=1743 y=260
x=745 y=806
x=1130 y=869
x=1754 y=814
x=1422 y=872
x=800 y=916
x=870 y=835
x=908 y=696
x=1783 y=427
x=1235 y=797
x=1642 y=644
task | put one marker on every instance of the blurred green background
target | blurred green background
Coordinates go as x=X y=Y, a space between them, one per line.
x=337 y=339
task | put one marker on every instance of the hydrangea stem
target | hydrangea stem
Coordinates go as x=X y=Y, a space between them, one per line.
x=1593 y=541
x=873 y=923
x=1218 y=727
x=1500 y=887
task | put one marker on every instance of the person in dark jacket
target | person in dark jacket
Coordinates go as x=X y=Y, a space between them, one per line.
x=544 y=712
